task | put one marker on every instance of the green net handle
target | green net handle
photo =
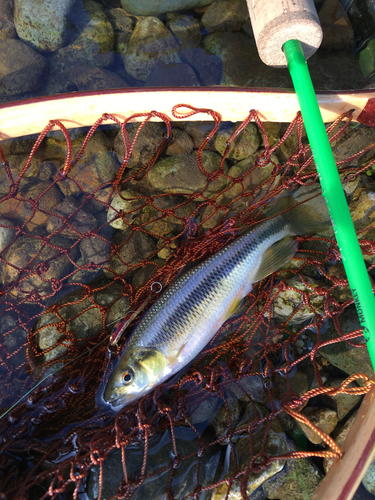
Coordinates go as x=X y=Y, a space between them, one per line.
x=333 y=193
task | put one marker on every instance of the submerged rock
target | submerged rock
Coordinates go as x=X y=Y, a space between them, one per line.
x=276 y=443
x=160 y=462
x=6 y=233
x=132 y=249
x=186 y=29
x=225 y=15
x=207 y=67
x=323 y=418
x=344 y=356
x=125 y=208
x=151 y=43
x=79 y=318
x=122 y=25
x=286 y=302
x=17 y=60
x=95 y=42
x=341 y=403
x=34 y=267
x=147 y=8
x=180 y=174
x=44 y=25
x=243 y=146
x=299 y=479
x=172 y=75
x=147 y=144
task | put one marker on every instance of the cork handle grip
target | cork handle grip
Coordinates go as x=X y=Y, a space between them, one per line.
x=275 y=22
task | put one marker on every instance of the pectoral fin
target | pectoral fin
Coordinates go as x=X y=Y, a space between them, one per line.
x=175 y=355
x=236 y=306
x=275 y=257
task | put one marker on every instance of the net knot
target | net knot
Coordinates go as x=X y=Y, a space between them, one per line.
x=42 y=268
x=262 y=159
x=13 y=189
x=289 y=183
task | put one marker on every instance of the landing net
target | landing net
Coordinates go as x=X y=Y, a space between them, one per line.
x=93 y=225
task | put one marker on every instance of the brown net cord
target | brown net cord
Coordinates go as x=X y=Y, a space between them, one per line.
x=59 y=431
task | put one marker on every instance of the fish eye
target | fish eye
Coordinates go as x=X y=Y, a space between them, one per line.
x=128 y=376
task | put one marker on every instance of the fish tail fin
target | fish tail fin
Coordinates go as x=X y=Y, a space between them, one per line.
x=302 y=220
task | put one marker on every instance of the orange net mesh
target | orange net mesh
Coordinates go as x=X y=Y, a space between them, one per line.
x=89 y=242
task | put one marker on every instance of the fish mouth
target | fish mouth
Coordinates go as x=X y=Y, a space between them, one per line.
x=120 y=401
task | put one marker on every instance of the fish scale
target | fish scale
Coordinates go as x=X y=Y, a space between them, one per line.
x=187 y=315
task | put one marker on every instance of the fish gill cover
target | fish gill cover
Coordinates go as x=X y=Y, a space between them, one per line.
x=92 y=227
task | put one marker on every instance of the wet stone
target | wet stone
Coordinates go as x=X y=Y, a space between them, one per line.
x=166 y=249
x=76 y=320
x=17 y=60
x=323 y=418
x=90 y=78
x=339 y=436
x=186 y=30
x=198 y=131
x=132 y=250
x=7 y=29
x=49 y=198
x=146 y=8
x=44 y=25
x=95 y=42
x=341 y=293
x=147 y=144
x=172 y=75
x=286 y=302
x=125 y=209
x=71 y=220
x=94 y=250
x=151 y=43
x=341 y=403
x=337 y=30
x=122 y=25
x=362 y=210
x=351 y=142
x=244 y=145
x=349 y=359
x=276 y=444
x=241 y=64
x=225 y=15
x=233 y=197
x=207 y=67
x=47 y=266
x=143 y=275
x=368 y=480
x=158 y=458
x=299 y=479
x=180 y=143
x=157 y=224
x=7 y=234
x=180 y=174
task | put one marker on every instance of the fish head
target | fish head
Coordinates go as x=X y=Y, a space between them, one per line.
x=137 y=373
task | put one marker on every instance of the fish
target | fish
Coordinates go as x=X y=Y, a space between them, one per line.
x=191 y=310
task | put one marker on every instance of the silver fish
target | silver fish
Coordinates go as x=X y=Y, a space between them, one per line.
x=192 y=309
